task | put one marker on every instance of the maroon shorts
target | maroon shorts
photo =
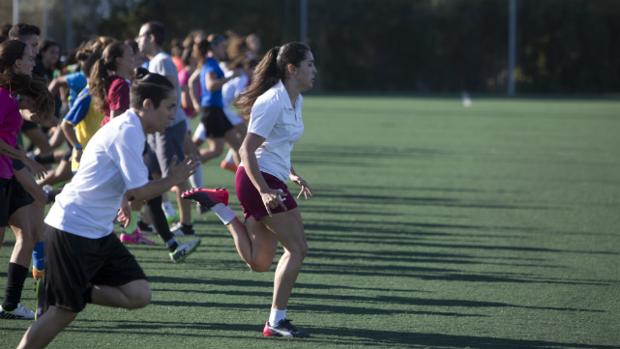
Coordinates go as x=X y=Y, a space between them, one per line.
x=250 y=199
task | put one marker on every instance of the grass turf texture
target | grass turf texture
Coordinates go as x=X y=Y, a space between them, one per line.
x=433 y=225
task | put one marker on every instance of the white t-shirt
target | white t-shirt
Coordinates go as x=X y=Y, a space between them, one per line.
x=162 y=64
x=274 y=118
x=112 y=163
x=230 y=91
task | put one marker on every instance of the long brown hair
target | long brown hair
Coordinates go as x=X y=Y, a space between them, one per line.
x=270 y=70
x=99 y=80
x=24 y=85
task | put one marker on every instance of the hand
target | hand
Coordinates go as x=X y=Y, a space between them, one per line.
x=38 y=170
x=124 y=213
x=305 y=187
x=181 y=171
x=272 y=198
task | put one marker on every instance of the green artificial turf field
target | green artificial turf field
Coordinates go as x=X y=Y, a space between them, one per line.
x=433 y=225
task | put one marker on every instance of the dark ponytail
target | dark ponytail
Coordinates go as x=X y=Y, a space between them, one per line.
x=270 y=70
x=99 y=79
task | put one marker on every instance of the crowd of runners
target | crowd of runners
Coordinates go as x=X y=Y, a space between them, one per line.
x=97 y=153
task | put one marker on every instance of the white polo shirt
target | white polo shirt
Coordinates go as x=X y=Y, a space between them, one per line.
x=275 y=119
x=162 y=64
x=112 y=163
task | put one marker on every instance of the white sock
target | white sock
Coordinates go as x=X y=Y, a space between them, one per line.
x=276 y=316
x=224 y=213
x=196 y=179
x=229 y=156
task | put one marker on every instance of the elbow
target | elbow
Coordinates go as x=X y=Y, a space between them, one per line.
x=243 y=152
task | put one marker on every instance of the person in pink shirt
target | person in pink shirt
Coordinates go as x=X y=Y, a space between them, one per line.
x=18 y=91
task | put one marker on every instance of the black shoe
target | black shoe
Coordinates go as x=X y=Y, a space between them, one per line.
x=284 y=329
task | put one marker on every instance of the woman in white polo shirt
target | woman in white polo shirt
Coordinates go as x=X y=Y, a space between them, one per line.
x=274 y=102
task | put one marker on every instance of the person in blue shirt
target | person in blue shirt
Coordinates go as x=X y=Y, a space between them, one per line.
x=219 y=129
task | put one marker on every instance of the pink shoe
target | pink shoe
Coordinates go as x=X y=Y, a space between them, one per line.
x=136 y=238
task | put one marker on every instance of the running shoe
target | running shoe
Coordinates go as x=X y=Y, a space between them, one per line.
x=184 y=250
x=136 y=238
x=145 y=227
x=230 y=166
x=207 y=197
x=284 y=328
x=19 y=313
x=181 y=230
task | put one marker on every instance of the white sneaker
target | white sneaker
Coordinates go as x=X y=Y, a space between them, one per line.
x=184 y=250
x=19 y=313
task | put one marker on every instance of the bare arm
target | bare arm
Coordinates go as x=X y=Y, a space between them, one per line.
x=191 y=85
x=177 y=175
x=67 y=129
x=212 y=83
x=56 y=84
x=18 y=154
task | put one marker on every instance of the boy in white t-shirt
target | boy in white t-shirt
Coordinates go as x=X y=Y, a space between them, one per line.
x=86 y=262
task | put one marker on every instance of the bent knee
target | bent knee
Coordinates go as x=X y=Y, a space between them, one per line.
x=260 y=267
x=139 y=301
x=300 y=250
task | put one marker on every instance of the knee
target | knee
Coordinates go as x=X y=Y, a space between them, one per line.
x=140 y=299
x=260 y=267
x=299 y=250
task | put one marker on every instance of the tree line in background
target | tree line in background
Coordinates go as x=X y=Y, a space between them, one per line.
x=564 y=46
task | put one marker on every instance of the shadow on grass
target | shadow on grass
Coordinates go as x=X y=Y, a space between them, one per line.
x=330 y=300
x=316 y=308
x=357 y=270
x=389 y=200
x=323 y=336
x=373 y=337
x=267 y=284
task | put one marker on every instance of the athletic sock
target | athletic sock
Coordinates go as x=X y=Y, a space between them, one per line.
x=224 y=213
x=172 y=244
x=276 y=316
x=196 y=179
x=188 y=229
x=38 y=256
x=229 y=156
x=14 y=286
x=159 y=219
x=143 y=226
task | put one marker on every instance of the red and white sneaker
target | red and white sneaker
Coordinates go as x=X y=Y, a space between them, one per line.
x=207 y=198
x=284 y=329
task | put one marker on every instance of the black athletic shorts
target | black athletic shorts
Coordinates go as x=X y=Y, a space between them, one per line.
x=28 y=125
x=12 y=197
x=216 y=122
x=74 y=264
